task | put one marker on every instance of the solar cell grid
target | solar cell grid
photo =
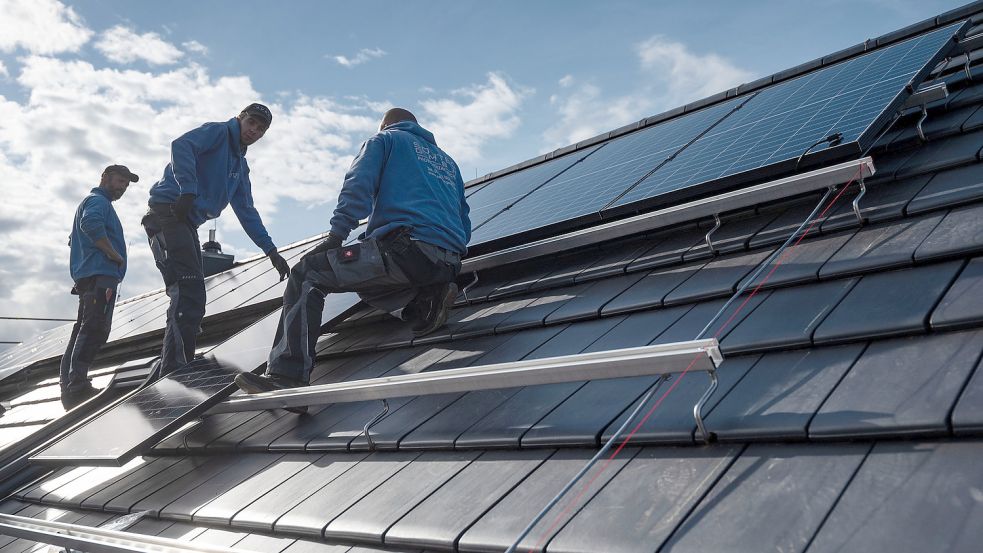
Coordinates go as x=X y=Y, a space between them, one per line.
x=508 y=189
x=589 y=185
x=781 y=121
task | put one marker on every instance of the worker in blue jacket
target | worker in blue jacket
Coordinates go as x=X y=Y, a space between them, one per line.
x=97 y=265
x=406 y=261
x=207 y=172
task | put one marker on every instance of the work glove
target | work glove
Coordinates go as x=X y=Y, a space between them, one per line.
x=183 y=206
x=331 y=242
x=280 y=264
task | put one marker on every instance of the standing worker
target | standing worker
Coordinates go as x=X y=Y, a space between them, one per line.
x=98 y=263
x=407 y=259
x=207 y=172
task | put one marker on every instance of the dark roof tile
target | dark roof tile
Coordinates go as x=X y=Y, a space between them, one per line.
x=949 y=188
x=749 y=505
x=883 y=201
x=637 y=507
x=788 y=318
x=442 y=518
x=778 y=397
x=908 y=498
x=959 y=233
x=888 y=304
x=900 y=387
x=881 y=246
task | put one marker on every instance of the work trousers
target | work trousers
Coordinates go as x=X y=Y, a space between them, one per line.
x=177 y=252
x=386 y=274
x=97 y=298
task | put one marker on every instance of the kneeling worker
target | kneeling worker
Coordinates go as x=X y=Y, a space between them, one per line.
x=98 y=263
x=407 y=259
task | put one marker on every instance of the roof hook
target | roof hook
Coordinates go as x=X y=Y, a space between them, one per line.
x=698 y=408
x=918 y=125
x=856 y=202
x=368 y=426
x=709 y=235
x=969 y=74
x=470 y=285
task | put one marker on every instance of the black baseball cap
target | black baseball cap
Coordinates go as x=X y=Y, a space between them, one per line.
x=121 y=170
x=260 y=111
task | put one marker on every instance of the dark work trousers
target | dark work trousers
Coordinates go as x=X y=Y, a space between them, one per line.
x=387 y=274
x=97 y=298
x=177 y=253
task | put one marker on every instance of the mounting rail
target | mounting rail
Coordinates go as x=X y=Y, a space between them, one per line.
x=76 y=537
x=664 y=359
x=707 y=207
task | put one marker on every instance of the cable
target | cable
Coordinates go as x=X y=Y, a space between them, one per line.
x=833 y=140
x=36 y=319
x=777 y=255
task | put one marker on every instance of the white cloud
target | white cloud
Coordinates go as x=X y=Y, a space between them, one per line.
x=77 y=119
x=363 y=55
x=41 y=27
x=196 y=47
x=122 y=45
x=472 y=116
x=670 y=75
x=3 y=70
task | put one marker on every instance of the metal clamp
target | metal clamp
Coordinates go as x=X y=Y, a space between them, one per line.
x=856 y=202
x=709 y=235
x=698 y=408
x=368 y=426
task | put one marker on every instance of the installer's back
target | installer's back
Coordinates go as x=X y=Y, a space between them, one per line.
x=404 y=179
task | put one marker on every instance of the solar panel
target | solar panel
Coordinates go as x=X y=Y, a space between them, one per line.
x=732 y=140
x=589 y=185
x=508 y=189
x=854 y=97
x=144 y=418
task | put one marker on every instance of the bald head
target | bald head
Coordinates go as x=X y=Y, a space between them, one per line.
x=396 y=115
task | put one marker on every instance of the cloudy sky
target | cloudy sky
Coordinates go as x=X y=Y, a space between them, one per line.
x=92 y=82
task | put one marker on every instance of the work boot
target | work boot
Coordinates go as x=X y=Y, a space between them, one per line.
x=259 y=383
x=429 y=310
x=73 y=397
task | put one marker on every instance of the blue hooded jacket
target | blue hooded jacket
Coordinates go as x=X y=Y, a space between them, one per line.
x=210 y=162
x=95 y=218
x=401 y=178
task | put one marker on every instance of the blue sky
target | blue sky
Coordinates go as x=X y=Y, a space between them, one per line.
x=90 y=82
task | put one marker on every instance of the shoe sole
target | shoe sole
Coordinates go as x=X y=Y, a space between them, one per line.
x=246 y=384
x=448 y=301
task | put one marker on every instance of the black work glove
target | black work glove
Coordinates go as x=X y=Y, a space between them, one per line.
x=331 y=242
x=183 y=206
x=280 y=264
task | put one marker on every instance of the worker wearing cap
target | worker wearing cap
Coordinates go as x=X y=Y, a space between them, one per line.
x=406 y=261
x=207 y=172
x=98 y=263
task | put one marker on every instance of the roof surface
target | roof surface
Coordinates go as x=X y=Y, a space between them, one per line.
x=848 y=417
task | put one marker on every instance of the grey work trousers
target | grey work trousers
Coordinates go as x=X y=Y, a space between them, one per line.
x=177 y=253
x=97 y=298
x=386 y=274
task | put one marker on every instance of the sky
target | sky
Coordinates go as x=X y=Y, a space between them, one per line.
x=88 y=83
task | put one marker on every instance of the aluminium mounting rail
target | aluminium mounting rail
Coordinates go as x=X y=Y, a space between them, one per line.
x=794 y=185
x=664 y=359
x=76 y=537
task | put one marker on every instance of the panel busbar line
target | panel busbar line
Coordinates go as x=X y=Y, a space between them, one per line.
x=148 y=415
